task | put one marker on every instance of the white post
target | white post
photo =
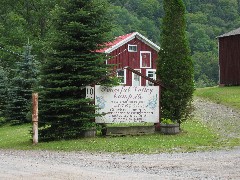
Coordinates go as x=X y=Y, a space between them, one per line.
x=35 y=117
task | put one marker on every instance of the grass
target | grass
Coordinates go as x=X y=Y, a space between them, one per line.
x=229 y=96
x=194 y=136
x=16 y=137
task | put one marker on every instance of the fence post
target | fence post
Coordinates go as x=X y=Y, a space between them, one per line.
x=35 y=117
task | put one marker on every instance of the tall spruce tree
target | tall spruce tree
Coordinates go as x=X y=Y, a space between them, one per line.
x=82 y=26
x=21 y=88
x=175 y=67
x=3 y=92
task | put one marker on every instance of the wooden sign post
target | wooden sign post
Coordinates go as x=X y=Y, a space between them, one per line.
x=35 y=117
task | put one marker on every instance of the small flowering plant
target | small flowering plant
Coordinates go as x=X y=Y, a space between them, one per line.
x=166 y=121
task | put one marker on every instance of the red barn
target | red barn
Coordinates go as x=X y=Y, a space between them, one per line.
x=229 y=58
x=135 y=51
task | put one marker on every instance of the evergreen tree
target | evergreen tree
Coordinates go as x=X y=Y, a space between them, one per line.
x=175 y=67
x=21 y=88
x=82 y=26
x=3 y=92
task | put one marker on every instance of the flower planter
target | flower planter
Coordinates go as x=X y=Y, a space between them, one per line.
x=169 y=128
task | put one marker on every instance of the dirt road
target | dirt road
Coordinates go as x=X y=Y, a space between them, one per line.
x=85 y=166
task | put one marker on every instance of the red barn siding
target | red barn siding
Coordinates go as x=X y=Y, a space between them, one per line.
x=229 y=60
x=121 y=57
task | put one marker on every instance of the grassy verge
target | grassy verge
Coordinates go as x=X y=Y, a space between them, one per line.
x=229 y=96
x=194 y=136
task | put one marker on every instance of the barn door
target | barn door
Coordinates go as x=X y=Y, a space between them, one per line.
x=136 y=79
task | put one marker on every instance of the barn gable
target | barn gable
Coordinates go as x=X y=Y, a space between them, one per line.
x=121 y=40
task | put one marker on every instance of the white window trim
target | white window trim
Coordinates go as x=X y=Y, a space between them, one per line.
x=154 y=70
x=140 y=78
x=141 y=59
x=125 y=76
x=132 y=50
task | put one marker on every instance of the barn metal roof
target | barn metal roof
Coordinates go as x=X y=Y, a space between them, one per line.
x=121 y=40
x=231 y=33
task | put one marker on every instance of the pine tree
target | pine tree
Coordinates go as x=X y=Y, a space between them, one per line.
x=82 y=26
x=21 y=88
x=3 y=92
x=175 y=67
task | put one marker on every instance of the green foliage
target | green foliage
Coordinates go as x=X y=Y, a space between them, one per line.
x=2 y=121
x=205 y=69
x=3 y=92
x=81 y=27
x=25 y=19
x=175 y=67
x=21 y=88
x=166 y=121
x=124 y=21
x=131 y=16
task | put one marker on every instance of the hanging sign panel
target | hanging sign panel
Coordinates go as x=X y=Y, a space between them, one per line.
x=127 y=104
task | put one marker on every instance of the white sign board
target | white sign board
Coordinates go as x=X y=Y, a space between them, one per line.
x=127 y=104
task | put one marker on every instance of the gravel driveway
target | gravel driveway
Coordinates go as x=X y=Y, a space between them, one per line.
x=59 y=165
x=217 y=165
x=225 y=120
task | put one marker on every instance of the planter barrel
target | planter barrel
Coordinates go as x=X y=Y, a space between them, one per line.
x=169 y=128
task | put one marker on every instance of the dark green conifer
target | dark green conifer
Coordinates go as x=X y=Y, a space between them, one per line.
x=3 y=92
x=82 y=26
x=175 y=67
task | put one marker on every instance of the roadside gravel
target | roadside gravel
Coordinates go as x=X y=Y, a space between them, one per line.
x=217 y=165
x=214 y=165
x=224 y=120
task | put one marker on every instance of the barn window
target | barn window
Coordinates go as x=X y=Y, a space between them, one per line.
x=132 y=48
x=145 y=59
x=152 y=74
x=121 y=74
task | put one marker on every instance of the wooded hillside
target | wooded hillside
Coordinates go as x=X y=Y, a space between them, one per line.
x=34 y=19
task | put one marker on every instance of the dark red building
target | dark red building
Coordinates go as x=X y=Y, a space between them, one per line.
x=136 y=51
x=229 y=58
